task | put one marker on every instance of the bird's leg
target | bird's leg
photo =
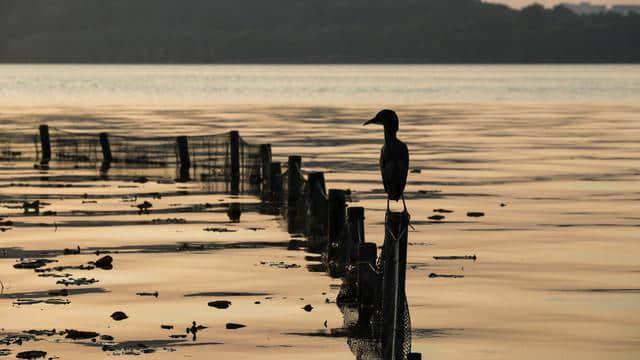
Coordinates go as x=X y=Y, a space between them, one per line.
x=404 y=203
x=405 y=210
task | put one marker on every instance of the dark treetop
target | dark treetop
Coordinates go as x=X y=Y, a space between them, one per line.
x=322 y=31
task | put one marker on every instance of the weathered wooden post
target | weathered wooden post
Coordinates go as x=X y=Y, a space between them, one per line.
x=355 y=216
x=265 y=159
x=294 y=187
x=276 y=183
x=337 y=219
x=318 y=222
x=45 y=143
x=368 y=286
x=183 y=153
x=106 y=148
x=234 y=143
x=337 y=213
x=393 y=285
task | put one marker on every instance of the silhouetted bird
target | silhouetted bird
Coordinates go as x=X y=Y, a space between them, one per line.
x=394 y=157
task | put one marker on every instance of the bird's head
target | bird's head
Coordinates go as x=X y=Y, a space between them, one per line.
x=387 y=118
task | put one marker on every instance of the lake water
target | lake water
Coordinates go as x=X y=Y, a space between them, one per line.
x=184 y=85
x=549 y=153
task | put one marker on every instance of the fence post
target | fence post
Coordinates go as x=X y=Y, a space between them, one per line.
x=337 y=219
x=318 y=223
x=183 y=153
x=393 y=286
x=106 y=148
x=294 y=188
x=355 y=216
x=276 y=182
x=265 y=158
x=45 y=143
x=234 y=143
x=368 y=285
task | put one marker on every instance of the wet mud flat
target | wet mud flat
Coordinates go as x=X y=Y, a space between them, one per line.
x=550 y=266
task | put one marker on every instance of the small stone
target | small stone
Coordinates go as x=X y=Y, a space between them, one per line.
x=220 y=304
x=307 y=308
x=436 y=217
x=233 y=326
x=119 y=315
x=475 y=214
x=33 y=354
x=105 y=263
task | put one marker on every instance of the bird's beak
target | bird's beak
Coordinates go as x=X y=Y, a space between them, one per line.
x=372 y=121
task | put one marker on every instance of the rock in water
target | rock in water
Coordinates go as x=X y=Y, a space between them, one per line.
x=33 y=354
x=234 y=212
x=80 y=335
x=220 y=304
x=105 y=263
x=119 y=315
x=308 y=308
x=233 y=326
x=475 y=214
x=436 y=217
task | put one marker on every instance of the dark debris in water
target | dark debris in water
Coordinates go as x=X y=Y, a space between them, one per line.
x=434 y=275
x=31 y=354
x=220 y=304
x=234 y=326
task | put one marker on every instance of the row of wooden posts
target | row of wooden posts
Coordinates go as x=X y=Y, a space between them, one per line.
x=183 y=157
x=338 y=231
x=331 y=227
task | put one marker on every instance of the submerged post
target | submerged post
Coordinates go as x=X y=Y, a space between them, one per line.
x=356 y=232
x=265 y=159
x=393 y=286
x=234 y=144
x=183 y=153
x=106 y=148
x=45 y=143
x=294 y=187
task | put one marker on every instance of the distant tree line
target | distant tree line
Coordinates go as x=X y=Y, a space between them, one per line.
x=319 y=31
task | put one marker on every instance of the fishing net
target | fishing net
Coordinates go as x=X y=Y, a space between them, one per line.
x=210 y=156
x=19 y=146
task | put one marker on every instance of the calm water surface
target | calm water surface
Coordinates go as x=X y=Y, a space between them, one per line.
x=173 y=85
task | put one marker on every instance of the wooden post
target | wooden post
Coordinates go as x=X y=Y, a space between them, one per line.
x=234 y=143
x=106 y=148
x=276 y=182
x=183 y=153
x=45 y=143
x=294 y=189
x=337 y=213
x=356 y=232
x=337 y=219
x=318 y=222
x=414 y=356
x=393 y=286
x=265 y=158
x=368 y=286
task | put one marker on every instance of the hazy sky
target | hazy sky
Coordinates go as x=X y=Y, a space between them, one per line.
x=520 y=3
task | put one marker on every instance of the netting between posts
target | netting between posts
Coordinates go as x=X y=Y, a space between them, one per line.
x=210 y=158
x=19 y=146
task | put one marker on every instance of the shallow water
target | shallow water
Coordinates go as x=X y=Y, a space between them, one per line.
x=557 y=273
